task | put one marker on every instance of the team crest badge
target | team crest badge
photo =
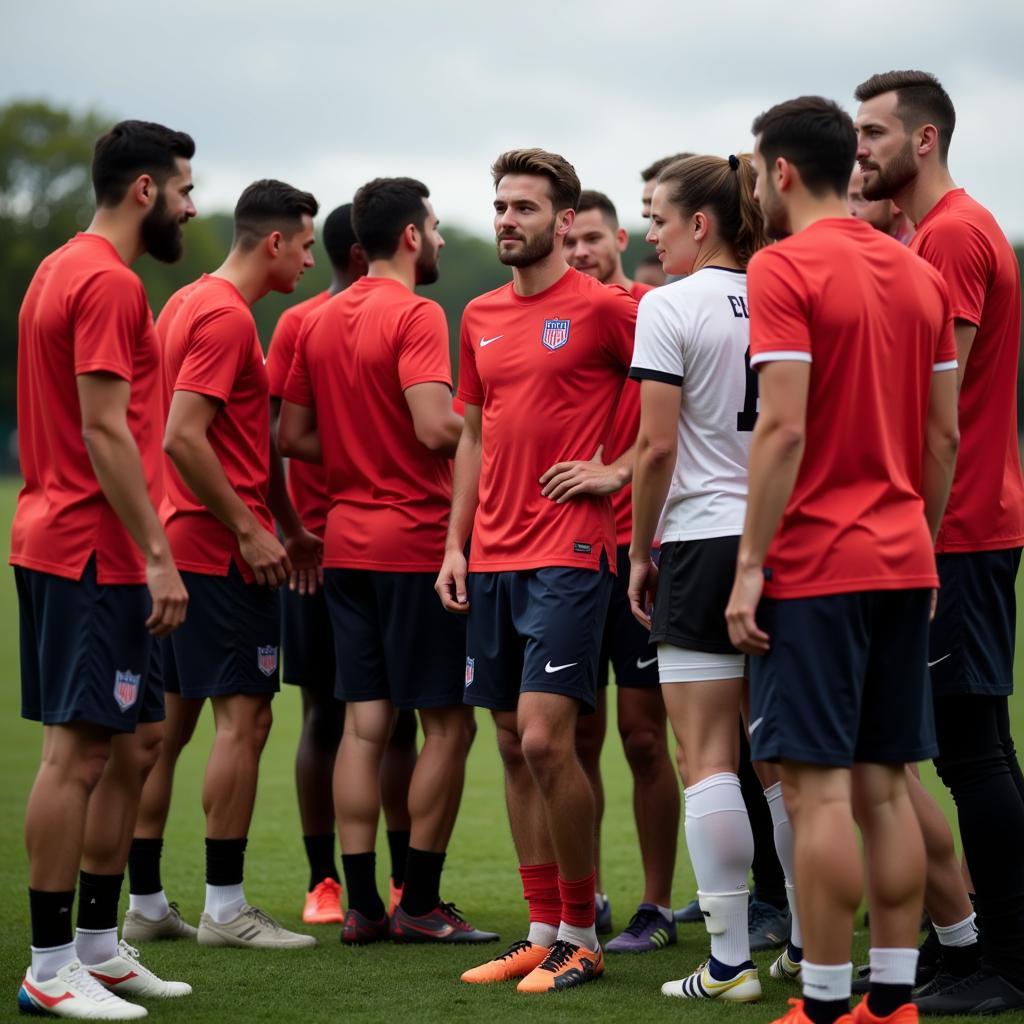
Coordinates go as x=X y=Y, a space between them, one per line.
x=126 y=689
x=555 y=333
x=266 y=659
x=470 y=670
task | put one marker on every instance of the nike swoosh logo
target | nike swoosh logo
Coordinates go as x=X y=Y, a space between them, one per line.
x=754 y=724
x=549 y=668
x=645 y=664
x=937 y=660
x=484 y=342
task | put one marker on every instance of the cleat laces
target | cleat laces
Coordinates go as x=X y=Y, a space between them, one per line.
x=641 y=921
x=561 y=953
x=452 y=912
x=263 y=918
x=514 y=950
x=88 y=986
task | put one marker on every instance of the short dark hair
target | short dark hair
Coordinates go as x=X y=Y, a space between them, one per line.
x=591 y=199
x=816 y=136
x=383 y=209
x=132 y=148
x=339 y=237
x=563 y=182
x=650 y=172
x=920 y=99
x=270 y=205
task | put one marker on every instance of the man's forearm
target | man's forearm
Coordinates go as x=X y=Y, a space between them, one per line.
x=652 y=478
x=465 y=491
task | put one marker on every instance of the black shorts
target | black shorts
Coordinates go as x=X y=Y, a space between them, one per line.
x=230 y=640
x=535 y=630
x=393 y=639
x=307 y=642
x=845 y=680
x=695 y=579
x=85 y=652
x=626 y=645
x=970 y=648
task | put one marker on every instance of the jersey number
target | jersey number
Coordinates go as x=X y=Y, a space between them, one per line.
x=746 y=418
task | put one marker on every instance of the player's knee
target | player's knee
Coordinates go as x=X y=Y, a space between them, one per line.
x=645 y=750
x=147 y=751
x=262 y=720
x=88 y=767
x=510 y=747
x=544 y=751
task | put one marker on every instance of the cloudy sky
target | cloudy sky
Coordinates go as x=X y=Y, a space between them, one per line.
x=328 y=94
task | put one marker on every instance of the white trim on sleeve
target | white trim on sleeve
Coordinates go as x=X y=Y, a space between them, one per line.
x=939 y=367
x=780 y=356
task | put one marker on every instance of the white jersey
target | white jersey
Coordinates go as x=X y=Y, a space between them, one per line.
x=694 y=333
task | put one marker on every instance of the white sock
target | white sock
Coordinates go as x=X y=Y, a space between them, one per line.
x=827 y=982
x=666 y=912
x=893 y=966
x=224 y=902
x=585 y=937
x=542 y=934
x=787 y=857
x=95 y=947
x=963 y=933
x=48 y=961
x=796 y=937
x=151 y=905
x=721 y=849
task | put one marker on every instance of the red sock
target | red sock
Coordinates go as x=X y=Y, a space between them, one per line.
x=540 y=890
x=578 y=901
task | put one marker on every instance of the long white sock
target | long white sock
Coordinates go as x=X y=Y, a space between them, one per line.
x=585 y=937
x=787 y=857
x=46 y=962
x=892 y=966
x=151 y=905
x=721 y=848
x=963 y=933
x=224 y=902
x=826 y=982
x=95 y=946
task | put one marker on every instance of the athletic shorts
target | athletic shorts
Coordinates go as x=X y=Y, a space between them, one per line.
x=845 y=680
x=535 y=630
x=85 y=652
x=626 y=645
x=230 y=640
x=970 y=647
x=307 y=641
x=393 y=639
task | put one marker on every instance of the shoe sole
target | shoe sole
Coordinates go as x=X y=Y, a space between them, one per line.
x=745 y=993
x=225 y=942
x=405 y=940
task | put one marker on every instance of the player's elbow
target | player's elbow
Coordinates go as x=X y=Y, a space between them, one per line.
x=287 y=443
x=434 y=435
x=98 y=432
x=177 y=445
x=944 y=442
x=656 y=451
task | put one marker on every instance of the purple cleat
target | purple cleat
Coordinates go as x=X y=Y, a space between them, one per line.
x=647 y=931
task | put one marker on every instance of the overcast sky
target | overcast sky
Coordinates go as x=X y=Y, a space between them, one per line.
x=329 y=94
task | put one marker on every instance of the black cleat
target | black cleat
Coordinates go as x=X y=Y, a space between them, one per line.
x=983 y=992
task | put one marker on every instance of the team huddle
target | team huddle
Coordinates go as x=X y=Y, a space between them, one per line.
x=773 y=490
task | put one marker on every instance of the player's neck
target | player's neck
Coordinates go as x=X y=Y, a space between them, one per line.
x=807 y=210
x=930 y=185
x=247 y=274
x=539 y=276
x=404 y=272
x=123 y=234
x=619 y=278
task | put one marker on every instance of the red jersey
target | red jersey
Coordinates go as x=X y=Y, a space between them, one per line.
x=390 y=495
x=875 y=323
x=85 y=311
x=211 y=347
x=961 y=239
x=547 y=370
x=307 y=483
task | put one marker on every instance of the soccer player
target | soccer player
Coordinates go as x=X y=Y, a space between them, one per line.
x=369 y=396
x=649 y=271
x=221 y=530
x=95 y=575
x=543 y=360
x=905 y=124
x=846 y=491
x=649 y=176
x=594 y=246
x=882 y=214
x=698 y=407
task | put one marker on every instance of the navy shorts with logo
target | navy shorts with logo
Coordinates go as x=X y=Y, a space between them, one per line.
x=230 y=640
x=535 y=630
x=626 y=645
x=393 y=639
x=85 y=652
x=307 y=642
x=970 y=647
x=845 y=680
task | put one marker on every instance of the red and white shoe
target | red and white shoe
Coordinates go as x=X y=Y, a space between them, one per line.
x=76 y=994
x=323 y=903
x=126 y=975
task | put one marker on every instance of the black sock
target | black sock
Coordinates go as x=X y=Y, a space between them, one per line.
x=320 y=854
x=886 y=999
x=422 y=891
x=398 y=844
x=225 y=861
x=144 y=866
x=961 y=960
x=361 y=882
x=51 y=918
x=98 y=896
x=828 y=1011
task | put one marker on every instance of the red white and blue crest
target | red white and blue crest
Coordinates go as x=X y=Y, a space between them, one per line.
x=266 y=660
x=555 y=333
x=470 y=670
x=126 y=689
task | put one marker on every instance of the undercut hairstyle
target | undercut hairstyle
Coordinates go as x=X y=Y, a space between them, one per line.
x=339 y=236
x=383 y=209
x=651 y=172
x=132 y=148
x=269 y=205
x=816 y=136
x=590 y=199
x=920 y=99
x=563 y=183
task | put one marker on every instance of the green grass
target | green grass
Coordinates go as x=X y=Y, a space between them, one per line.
x=383 y=982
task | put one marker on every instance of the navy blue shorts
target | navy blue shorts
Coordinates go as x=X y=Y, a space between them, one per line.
x=230 y=639
x=393 y=639
x=85 y=652
x=626 y=645
x=846 y=680
x=970 y=649
x=535 y=631
x=307 y=642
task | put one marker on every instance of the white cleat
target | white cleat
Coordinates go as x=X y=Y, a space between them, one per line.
x=743 y=987
x=125 y=975
x=784 y=969
x=139 y=928
x=76 y=994
x=252 y=929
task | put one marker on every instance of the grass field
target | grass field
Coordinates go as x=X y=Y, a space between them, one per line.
x=383 y=982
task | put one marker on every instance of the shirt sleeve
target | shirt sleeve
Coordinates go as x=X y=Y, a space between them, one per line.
x=780 y=328
x=109 y=316
x=281 y=351
x=658 y=354
x=945 y=343
x=218 y=344
x=619 y=320
x=471 y=390
x=961 y=254
x=423 y=347
x=298 y=387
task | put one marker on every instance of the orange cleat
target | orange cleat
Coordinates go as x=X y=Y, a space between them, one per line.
x=905 y=1014
x=395 y=897
x=796 y=1015
x=516 y=962
x=323 y=904
x=565 y=966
